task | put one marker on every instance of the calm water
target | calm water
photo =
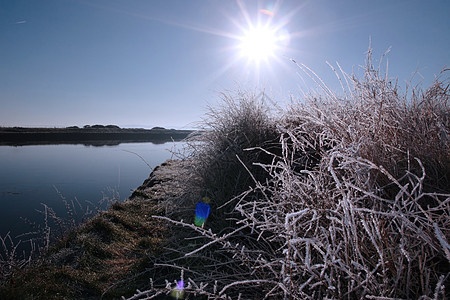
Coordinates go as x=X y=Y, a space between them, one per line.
x=30 y=174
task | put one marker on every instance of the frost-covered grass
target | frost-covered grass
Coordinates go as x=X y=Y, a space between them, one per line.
x=337 y=197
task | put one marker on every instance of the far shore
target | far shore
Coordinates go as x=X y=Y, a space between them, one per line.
x=96 y=135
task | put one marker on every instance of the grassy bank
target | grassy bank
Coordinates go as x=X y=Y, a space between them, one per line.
x=108 y=256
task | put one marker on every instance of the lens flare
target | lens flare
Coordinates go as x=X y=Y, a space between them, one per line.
x=178 y=291
x=267 y=12
x=202 y=211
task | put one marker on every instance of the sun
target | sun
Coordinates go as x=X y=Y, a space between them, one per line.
x=258 y=43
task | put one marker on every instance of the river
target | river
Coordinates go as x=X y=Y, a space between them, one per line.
x=32 y=177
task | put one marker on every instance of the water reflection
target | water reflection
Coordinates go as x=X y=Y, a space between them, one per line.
x=95 y=143
x=30 y=175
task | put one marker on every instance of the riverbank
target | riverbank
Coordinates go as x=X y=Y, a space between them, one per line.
x=332 y=198
x=108 y=256
x=97 y=135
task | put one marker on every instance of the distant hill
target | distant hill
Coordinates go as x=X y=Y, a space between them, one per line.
x=89 y=134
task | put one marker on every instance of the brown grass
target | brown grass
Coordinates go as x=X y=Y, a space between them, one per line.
x=107 y=256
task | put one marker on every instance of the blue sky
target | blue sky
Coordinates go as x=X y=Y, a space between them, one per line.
x=159 y=63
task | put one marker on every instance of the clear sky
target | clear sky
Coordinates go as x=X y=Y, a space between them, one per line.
x=145 y=63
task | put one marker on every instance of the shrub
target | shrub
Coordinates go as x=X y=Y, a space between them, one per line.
x=219 y=154
x=349 y=198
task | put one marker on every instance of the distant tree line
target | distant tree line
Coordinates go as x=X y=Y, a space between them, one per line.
x=95 y=127
x=107 y=126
